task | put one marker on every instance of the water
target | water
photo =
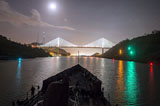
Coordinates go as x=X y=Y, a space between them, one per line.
x=125 y=83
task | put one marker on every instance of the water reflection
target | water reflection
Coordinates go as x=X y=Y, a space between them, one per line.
x=18 y=76
x=91 y=60
x=151 y=83
x=84 y=61
x=102 y=62
x=132 y=89
x=57 y=60
x=120 y=80
x=19 y=69
x=113 y=61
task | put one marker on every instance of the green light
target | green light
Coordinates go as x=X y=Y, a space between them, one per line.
x=131 y=52
x=129 y=48
x=131 y=83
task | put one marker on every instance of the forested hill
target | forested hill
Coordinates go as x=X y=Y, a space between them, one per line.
x=143 y=49
x=12 y=50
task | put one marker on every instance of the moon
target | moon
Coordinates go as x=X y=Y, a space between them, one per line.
x=52 y=6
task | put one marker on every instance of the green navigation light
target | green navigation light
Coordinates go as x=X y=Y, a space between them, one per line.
x=129 y=48
x=131 y=52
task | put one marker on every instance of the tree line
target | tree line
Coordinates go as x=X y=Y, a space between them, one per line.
x=11 y=49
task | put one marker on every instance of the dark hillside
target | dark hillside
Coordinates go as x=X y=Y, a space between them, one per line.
x=143 y=49
x=10 y=49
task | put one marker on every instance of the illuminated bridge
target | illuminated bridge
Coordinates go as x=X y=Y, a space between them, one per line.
x=101 y=43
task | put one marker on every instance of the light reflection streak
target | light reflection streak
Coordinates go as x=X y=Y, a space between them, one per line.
x=102 y=62
x=19 y=69
x=84 y=61
x=120 y=80
x=57 y=60
x=91 y=60
x=88 y=61
x=74 y=59
x=151 y=83
x=151 y=69
x=113 y=61
x=18 y=76
x=132 y=89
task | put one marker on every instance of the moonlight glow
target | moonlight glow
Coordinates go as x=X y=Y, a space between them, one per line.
x=52 y=6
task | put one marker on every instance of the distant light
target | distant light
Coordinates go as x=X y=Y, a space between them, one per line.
x=53 y=6
x=131 y=52
x=51 y=53
x=151 y=63
x=19 y=59
x=120 y=51
x=129 y=48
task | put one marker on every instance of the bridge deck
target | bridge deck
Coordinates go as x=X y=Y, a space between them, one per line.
x=80 y=47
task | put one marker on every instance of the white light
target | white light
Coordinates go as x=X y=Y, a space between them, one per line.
x=52 y=6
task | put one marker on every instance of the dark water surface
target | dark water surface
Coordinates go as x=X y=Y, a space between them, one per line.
x=125 y=83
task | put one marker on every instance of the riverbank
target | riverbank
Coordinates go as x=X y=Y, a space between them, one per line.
x=144 y=49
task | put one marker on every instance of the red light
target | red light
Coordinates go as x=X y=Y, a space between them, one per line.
x=151 y=63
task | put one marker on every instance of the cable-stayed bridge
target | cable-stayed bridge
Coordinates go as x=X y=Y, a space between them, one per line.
x=59 y=42
x=101 y=43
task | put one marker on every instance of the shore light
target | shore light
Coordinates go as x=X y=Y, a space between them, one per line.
x=129 y=47
x=120 y=51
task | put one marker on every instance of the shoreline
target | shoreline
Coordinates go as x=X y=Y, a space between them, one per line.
x=15 y=58
x=137 y=61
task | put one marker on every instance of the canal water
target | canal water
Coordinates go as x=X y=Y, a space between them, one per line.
x=125 y=82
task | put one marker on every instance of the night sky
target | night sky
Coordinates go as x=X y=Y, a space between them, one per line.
x=78 y=21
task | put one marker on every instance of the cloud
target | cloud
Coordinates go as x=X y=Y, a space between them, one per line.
x=11 y=16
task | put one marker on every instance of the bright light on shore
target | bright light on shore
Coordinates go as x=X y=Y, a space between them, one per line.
x=52 y=6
